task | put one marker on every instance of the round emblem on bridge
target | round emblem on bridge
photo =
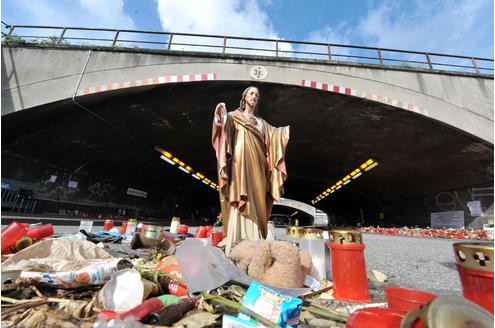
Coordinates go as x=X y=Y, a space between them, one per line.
x=259 y=72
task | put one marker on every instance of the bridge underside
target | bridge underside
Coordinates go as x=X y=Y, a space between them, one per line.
x=108 y=146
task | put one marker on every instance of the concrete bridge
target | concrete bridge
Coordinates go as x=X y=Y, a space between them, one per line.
x=38 y=76
x=100 y=114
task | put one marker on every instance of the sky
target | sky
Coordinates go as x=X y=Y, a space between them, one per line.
x=459 y=27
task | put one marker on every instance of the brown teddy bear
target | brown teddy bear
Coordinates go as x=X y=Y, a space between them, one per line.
x=278 y=264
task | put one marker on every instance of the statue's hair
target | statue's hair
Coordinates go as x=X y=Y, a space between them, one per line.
x=243 y=102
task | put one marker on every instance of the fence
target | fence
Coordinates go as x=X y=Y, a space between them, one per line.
x=170 y=41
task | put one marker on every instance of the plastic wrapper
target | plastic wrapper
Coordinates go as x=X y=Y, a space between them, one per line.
x=123 y=292
x=94 y=274
x=65 y=263
x=206 y=267
x=281 y=309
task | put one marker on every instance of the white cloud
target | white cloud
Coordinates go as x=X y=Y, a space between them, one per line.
x=82 y=13
x=109 y=13
x=447 y=26
x=36 y=12
x=458 y=27
x=218 y=17
x=222 y=17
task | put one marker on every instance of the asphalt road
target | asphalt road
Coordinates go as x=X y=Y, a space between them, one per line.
x=415 y=262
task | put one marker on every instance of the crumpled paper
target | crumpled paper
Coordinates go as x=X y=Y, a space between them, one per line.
x=56 y=255
x=65 y=263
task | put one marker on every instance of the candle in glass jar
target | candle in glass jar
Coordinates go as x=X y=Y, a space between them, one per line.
x=108 y=225
x=174 y=225
x=131 y=227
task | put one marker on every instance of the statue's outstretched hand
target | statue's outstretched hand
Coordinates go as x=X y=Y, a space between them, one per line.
x=220 y=113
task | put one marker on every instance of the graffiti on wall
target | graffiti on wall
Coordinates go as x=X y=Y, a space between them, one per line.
x=101 y=190
x=452 y=200
x=59 y=186
x=458 y=200
x=72 y=186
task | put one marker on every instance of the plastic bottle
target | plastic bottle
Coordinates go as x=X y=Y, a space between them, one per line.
x=169 y=315
x=142 y=310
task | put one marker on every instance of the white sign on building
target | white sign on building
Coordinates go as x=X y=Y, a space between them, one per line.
x=137 y=192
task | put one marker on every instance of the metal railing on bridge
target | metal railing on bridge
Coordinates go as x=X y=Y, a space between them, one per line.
x=281 y=49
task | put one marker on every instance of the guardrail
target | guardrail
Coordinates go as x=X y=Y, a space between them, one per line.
x=170 y=41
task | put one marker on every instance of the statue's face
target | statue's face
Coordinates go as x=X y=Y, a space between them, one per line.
x=252 y=97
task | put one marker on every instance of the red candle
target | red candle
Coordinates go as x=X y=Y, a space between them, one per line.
x=108 y=225
x=183 y=229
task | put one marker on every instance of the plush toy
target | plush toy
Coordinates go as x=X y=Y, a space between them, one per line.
x=277 y=264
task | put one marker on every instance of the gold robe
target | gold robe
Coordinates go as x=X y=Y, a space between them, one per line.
x=251 y=168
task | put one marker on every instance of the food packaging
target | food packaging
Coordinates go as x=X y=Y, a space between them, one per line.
x=283 y=310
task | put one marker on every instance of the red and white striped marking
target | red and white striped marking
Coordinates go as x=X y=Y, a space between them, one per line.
x=362 y=94
x=150 y=81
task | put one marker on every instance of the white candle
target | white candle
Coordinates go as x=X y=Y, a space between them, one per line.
x=318 y=270
x=174 y=226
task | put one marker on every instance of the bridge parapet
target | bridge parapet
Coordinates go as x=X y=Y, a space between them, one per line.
x=224 y=45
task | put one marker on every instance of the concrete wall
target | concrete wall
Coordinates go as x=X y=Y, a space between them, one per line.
x=417 y=211
x=33 y=76
x=91 y=196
